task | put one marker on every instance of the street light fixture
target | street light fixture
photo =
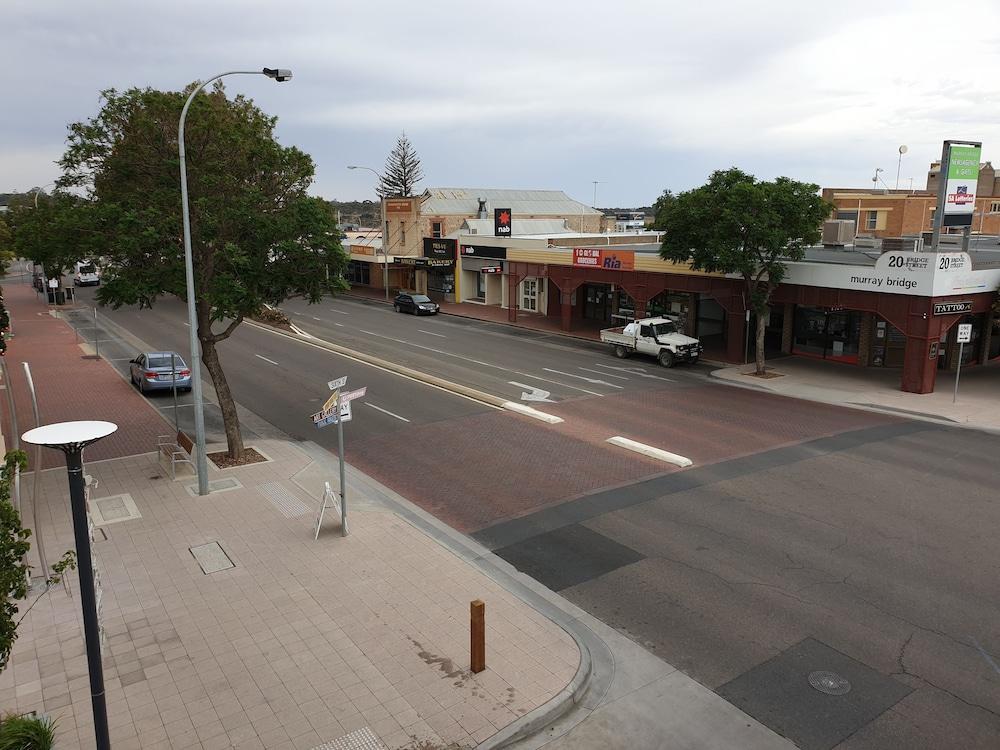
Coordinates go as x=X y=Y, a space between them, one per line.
x=71 y=438
x=384 y=232
x=201 y=459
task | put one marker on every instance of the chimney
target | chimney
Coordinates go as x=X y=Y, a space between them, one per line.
x=482 y=209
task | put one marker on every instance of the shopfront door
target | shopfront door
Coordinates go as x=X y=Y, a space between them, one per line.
x=597 y=302
x=827 y=334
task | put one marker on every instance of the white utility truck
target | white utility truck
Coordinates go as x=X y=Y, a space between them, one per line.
x=85 y=273
x=657 y=337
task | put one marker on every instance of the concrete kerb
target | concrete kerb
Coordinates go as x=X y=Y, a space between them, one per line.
x=534 y=595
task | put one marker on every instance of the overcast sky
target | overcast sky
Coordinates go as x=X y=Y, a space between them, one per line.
x=640 y=95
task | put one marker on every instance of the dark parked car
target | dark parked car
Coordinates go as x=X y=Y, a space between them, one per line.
x=418 y=304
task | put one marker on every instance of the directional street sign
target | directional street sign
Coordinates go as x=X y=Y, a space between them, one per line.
x=338 y=383
x=964 y=333
x=329 y=416
x=330 y=402
x=351 y=395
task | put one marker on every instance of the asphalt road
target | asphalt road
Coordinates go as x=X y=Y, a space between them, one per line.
x=805 y=539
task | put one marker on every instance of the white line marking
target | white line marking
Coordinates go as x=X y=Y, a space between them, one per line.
x=267 y=360
x=300 y=331
x=650 y=451
x=556 y=382
x=339 y=325
x=533 y=413
x=372 y=333
x=386 y=411
x=339 y=312
x=188 y=325
x=533 y=394
x=431 y=333
x=638 y=372
x=581 y=377
x=315 y=318
x=605 y=374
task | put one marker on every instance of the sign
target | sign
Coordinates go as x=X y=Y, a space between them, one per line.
x=331 y=402
x=962 y=174
x=440 y=248
x=399 y=206
x=491 y=269
x=484 y=251
x=338 y=383
x=426 y=262
x=346 y=398
x=964 y=333
x=606 y=258
x=329 y=416
x=952 y=308
x=501 y=222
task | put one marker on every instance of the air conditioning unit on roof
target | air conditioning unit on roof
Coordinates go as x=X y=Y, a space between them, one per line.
x=902 y=244
x=838 y=232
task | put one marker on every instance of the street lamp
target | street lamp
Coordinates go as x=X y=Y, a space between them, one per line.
x=71 y=438
x=385 y=234
x=199 y=408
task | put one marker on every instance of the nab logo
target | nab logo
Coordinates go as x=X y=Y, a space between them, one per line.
x=501 y=222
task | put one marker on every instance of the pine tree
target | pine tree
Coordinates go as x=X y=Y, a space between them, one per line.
x=402 y=171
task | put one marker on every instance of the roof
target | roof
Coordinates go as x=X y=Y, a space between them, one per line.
x=983 y=249
x=465 y=202
x=519 y=227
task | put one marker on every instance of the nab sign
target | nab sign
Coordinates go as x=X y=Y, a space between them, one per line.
x=501 y=222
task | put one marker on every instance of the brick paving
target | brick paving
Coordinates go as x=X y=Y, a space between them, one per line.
x=300 y=643
x=70 y=387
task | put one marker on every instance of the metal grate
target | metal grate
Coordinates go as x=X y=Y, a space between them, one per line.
x=216 y=485
x=211 y=557
x=284 y=501
x=359 y=739
x=113 y=509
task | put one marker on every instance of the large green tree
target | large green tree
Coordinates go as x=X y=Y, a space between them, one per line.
x=257 y=237
x=54 y=232
x=737 y=224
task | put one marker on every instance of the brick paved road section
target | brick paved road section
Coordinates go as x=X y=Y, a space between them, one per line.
x=70 y=387
x=474 y=471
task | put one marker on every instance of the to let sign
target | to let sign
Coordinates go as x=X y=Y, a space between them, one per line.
x=952 y=308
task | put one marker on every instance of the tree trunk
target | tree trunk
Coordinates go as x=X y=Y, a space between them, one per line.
x=230 y=418
x=761 y=327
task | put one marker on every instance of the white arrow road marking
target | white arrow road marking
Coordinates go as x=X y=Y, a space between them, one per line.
x=556 y=382
x=605 y=374
x=266 y=359
x=386 y=411
x=637 y=371
x=581 y=377
x=431 y=333
x=533 y=394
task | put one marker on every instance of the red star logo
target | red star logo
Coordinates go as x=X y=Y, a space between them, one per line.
x=504 y=217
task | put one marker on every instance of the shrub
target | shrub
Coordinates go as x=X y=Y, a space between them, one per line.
x=27 y=733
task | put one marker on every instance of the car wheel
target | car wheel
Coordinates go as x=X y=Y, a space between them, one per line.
x=142 y=388
x=666 y=359
x=621 y=352
x=396 y=308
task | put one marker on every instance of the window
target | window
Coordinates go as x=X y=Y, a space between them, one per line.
x=646 y=332
x=358 y=272
x=402 y=234
x=529 y=295
x=436 y=229
x=995 y=207
x=872 y=220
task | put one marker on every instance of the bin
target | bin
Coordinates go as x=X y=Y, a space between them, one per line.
x=70 y=293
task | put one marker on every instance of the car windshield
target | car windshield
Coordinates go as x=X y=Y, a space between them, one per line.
x=419 y=298
x=662 y=329
x=89 y=268
x=158 y=361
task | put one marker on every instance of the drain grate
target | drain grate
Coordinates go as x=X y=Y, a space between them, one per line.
x=113 y=509
x=284 y=500
x=359 y=739
x=216 y=485
x=211 y=557
x=830 y=683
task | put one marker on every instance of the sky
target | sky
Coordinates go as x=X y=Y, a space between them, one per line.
x=641 y=96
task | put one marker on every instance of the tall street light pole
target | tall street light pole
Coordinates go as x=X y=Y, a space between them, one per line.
x=201 y=457
x=71 y=438
x=384 y=232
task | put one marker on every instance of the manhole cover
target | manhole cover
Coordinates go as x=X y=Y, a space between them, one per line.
x=211 y=557
x=830 y=683
x=105 y=510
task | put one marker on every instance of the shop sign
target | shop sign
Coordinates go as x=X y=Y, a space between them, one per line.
x=606 y=258
x=960 y=190
x=491 y=269
x=426 y=262
x=399 y=206
x=362 y=250
x=952 y=308
x=501 y=222
x=439 y=248
x=483 y=251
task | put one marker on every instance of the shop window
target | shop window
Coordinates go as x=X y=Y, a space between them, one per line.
x=529 y=295
x=358 y=272
x=402 y=234
x=436 y=229
x=995 y=207
x=872 y=222
x=827 y=334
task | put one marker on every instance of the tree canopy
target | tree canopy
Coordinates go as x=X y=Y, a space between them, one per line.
x=402 y=171
x=55 y=232
x=736 y=224
x=257 y=237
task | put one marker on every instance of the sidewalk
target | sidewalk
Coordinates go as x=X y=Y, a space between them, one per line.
x=978 y=402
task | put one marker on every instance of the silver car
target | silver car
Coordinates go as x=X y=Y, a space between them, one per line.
x=151 y=371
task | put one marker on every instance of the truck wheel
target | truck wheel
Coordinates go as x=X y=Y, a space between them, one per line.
x=666 y=358
x=621 y=352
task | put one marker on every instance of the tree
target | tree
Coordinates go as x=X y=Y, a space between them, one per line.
x=257 y=237
x=55 y=234
x=402 y=171
x=6 y=245
x=735 y=224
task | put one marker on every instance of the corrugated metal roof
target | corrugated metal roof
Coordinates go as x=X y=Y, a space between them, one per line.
x=518 y=226
x=465 y=201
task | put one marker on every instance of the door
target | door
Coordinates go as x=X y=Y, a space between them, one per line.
x=137 y=367
x=529 y=295
x=597 y=303
x=481 y=285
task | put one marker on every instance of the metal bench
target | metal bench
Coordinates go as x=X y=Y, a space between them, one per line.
x=177 y=448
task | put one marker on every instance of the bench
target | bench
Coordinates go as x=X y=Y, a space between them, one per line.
x=177 y=448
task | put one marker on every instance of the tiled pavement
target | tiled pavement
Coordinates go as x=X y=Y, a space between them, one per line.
x=300 y=643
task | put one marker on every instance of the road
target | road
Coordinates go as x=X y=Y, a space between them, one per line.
x=805 y=537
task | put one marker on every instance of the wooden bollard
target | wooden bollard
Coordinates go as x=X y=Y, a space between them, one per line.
x=477 y=613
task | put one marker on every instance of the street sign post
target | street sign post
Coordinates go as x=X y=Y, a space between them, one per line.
x=337 y=410
x=334 y=385
x=964 y=337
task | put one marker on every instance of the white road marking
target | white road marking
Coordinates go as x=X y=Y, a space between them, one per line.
x=532 y=393
x=638 y=372
x=188 y=325
x=339 y=312
x=339 y=325
x=431 y=333
x=650 y=451
x=386 y=411
x=581 y=377
x=605 y=374
x=533 y=413
x=315 y=318
x=300 y=331
x=266 y=359
x=556 y=382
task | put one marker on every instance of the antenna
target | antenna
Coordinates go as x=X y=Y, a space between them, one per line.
x=902 y=150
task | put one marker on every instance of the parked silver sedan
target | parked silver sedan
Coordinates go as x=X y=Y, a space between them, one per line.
x=151 y=371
